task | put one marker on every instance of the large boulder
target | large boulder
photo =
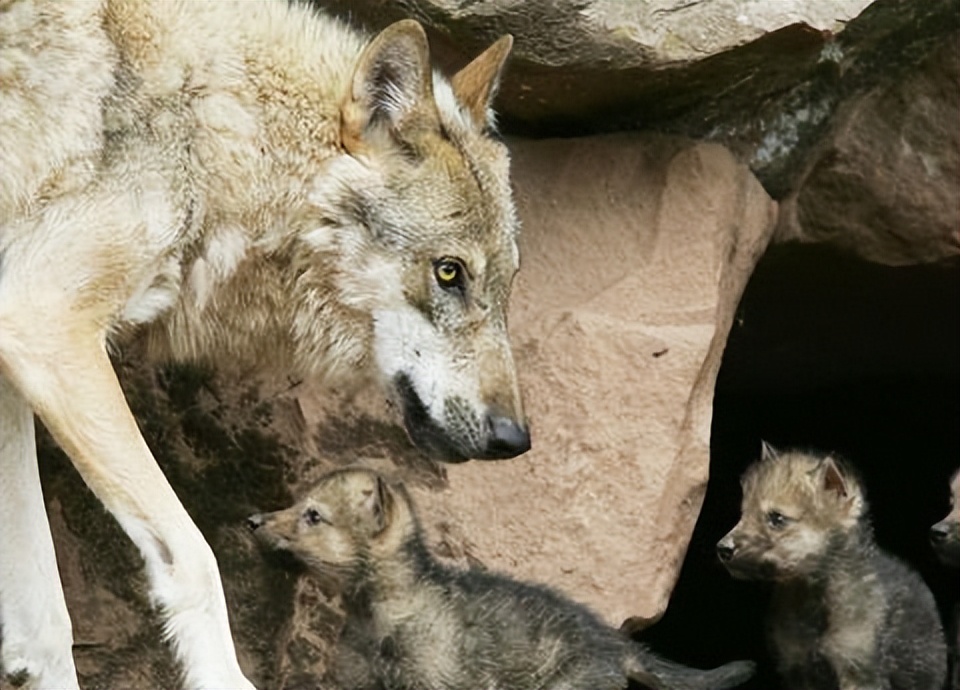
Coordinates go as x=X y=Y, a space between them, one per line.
x=635 y=252
x=885 y=181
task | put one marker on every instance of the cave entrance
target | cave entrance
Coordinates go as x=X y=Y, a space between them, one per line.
x=832 y=353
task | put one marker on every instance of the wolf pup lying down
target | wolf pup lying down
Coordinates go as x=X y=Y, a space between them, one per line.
x=844 y=614
x=243 y=180
x=413 y=623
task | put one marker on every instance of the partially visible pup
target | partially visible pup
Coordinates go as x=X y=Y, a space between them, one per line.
x=945 y=537
x=844 y=614
x=413 y=623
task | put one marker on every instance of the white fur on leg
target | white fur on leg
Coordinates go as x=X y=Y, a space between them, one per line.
x=106 y=447
x=37 y=635
x=185 y=584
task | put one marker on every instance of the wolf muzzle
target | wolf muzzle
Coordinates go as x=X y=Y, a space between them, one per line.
x=501 y=437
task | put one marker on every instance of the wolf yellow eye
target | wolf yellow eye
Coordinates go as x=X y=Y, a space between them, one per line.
x=449 y=273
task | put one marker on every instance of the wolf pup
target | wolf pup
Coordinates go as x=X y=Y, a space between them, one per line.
x=239 y=179
x=414 y=623
x=945 y=538
x=945 y=535
x=844 y=614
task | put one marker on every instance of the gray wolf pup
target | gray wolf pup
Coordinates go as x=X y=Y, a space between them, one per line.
x=945 y=538
x=945 y=535
x=414 y=623
x=240 y=179
x=844 y=614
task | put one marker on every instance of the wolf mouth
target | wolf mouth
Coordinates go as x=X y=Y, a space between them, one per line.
x=507 y=439
x=426 y=434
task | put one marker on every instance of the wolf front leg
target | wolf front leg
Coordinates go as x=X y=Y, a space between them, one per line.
x=37 y=640
x=69 y=381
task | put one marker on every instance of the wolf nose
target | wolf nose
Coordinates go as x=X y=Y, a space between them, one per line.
x=508 y=438
x=724 y=551
x=254 y=521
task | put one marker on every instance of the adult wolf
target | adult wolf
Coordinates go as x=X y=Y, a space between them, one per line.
x=231 y=179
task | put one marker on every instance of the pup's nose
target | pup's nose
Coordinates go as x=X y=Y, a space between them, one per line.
x=254 y=521
x=508 y=438
x=939 y=533
x=725 y=551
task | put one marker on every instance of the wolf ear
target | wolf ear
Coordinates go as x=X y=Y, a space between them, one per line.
x=476 y=84
x=767 y=451
x=376 y=503
x=833 y=479
x=392 y=84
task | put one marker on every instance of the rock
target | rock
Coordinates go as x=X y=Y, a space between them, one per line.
x=635 y=252
x=596 y=65
x=884 y=182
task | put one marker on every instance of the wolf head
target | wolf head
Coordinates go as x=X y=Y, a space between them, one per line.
x=794 y=505
x=945 y=535
x=431 y=252
x=350 y=517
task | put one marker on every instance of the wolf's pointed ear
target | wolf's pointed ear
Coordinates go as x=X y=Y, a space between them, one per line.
x=833 y=479
x=392 y=85
x=376 y=503
x=476 y=84
x=767 y=451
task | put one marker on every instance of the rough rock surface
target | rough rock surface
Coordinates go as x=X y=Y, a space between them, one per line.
x=635 y=252
x=885 y=183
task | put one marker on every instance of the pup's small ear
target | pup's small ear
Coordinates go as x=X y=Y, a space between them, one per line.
x=476 y=84
x=391 y=87
x=767 y=451
x=833 y=479
x=376 y=503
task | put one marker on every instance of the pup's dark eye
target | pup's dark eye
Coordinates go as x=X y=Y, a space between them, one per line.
x=777 y=520
x=450 y=273
x=313 y=516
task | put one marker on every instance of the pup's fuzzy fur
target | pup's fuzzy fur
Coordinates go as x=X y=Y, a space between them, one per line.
x=945 y=538
x=242 y=180
x=844 y=613
x=414 y=623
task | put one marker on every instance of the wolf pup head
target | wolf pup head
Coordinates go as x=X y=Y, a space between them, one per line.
x=794 y=505
x=350 y=516
x=945 y=535
x=432 y=262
